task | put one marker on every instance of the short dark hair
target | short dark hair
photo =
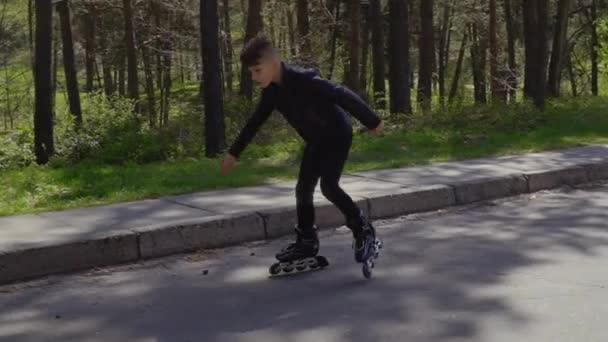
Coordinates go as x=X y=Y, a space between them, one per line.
x=255 y=49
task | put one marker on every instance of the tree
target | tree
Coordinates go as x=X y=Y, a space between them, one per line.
x=354 y=69
x=69 y=65
x=399 y=51
x=535 y=23
x=495 y=78
x=132 y=76
x=378 y=53
x=44 y=146
x=444 y=45
x=254 y=25
x=458 y=70
x=512 y=73
x=212 y=83
x=304 y=29
x=558 y=55
x=89 y=47
x=427 y=54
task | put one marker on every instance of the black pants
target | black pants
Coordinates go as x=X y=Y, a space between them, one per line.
x=324 y=161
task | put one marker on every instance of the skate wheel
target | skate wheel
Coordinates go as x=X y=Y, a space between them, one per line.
x=288 y=269
x=275 y=269
x=300 y=268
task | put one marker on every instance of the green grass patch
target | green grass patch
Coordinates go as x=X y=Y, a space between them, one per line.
x=442 y=136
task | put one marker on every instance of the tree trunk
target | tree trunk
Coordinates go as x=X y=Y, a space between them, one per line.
x=212 y=83
x=291 y=31
x=122 y=68
x=496 y=88
x=30 y=19
x=556 y=65
x=69 y=65
x=535 y=23
x=132 y=76
x=478 y=61
x=443 y=52
x=354 y=69
x=334 y=40
x=304 y=30
x=228 y=58
x=145 y=56
x=399 y=51
x=365 y=32
x=595 y=45
x=512 y=72
x=55 y=65
x=458 y=70
x=427 y=54
x=89 y=46
x=378 y=53
x=571 y=74
x=43 y=116
x=108 y=82
x=254 y=25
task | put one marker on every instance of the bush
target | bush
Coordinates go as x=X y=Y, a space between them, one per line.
x=16 y=149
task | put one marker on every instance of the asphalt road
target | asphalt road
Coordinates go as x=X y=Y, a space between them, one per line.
x=528 y=268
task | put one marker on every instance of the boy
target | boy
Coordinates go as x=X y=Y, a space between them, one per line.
x=314 y=107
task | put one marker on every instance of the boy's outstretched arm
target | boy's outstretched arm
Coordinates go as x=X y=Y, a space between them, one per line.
x=261 y=114
x=348 y=100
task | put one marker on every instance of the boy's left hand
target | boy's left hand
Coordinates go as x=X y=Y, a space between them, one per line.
x=378 y=130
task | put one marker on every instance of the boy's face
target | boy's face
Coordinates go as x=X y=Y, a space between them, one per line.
x=265 y=72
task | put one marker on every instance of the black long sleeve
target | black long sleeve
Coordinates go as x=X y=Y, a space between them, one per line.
x=346 y=99
x=261 y=114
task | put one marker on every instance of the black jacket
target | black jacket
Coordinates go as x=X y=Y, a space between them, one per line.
x=312 y=105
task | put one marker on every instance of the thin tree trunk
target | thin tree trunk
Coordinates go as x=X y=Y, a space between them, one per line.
x=292 y=32
x=556 y=65
x=364 y=50
x=512 y=72
x=378 y=53
x=145 y=56
x=496 y=87
x=535 y=20
x=427 y=54
x=458 y=70
x=254 y=25
x=108 y=82
x=478 y=63
x=121 y=72
x=212 y=84
x=399 y=65
x=443 y=54
x=55 y=65
x=44 y=146
x=595 y=45
x=354 y=69
x=89 y=27
x=133 y=78
x=30 y=18
x=69 y=64
x=571 y=74
x=334 y=40
x=228 y=59
x=304 y=30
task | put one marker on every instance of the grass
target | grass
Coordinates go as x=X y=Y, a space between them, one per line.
x=564 y=124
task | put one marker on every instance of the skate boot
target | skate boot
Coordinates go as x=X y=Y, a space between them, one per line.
x=366 y=245
x=300 y=255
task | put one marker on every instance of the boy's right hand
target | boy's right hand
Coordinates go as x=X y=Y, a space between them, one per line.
x=228 y=164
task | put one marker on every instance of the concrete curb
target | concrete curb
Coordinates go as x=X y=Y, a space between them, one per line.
x=227 y=230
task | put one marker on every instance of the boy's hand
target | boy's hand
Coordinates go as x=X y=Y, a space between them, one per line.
x=228 y=164
x=378 y=130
